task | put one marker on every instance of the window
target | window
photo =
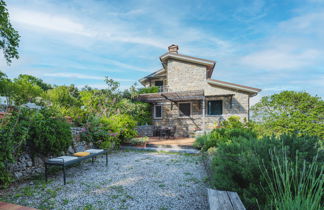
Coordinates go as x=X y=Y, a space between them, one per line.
x=157 y=111
x=159 y=84
x=184 y=109
x=215 y=107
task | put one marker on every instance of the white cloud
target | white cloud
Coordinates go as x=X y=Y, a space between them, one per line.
x=83 y=76
x=48 y=21
x=276 y=59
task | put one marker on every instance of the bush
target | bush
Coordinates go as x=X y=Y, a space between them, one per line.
x=48 y=134
x=236 y=164
x=294 y=184
x=138 y=141
x=38 y=132
x=97 y=134
x=221 y=135
x=123 y=124
x=230 y=129
x=13 y=136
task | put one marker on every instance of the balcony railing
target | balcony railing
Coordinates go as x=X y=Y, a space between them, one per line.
x=163 y=88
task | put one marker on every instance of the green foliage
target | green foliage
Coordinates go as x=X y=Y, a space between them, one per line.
x=153 y=89
x=25 y=91
x=138 y=141
x=9 y=37
x=102 y=102
x=97 y=133
x=231 y=129
x=138 y=110
x=13 y=136
x=35 y=81
x=236 y=164
x=39 y=132
x=66 y=100
x=48 y=134
x=291 y=112
x=122 y=124
x=294 y=184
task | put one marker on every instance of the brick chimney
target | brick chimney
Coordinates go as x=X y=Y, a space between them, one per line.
x=173 y=48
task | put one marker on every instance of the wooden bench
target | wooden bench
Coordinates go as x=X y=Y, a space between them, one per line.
x=64 y=161
x=220 y=200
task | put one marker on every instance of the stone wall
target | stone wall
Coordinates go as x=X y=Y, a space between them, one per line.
x=183 y=76
x=188 y=126
x=27 y=166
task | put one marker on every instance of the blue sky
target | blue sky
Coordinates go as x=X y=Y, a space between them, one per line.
x=272 y=45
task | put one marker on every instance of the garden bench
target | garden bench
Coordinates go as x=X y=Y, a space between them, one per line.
x=219 y=200
x=65 y=161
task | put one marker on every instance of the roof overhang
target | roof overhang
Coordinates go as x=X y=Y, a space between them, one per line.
x=190 y=95
x=153 y=75
x=210 y=64
x=252 y=91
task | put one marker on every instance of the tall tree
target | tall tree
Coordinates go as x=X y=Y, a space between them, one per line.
x=291 y=112
x=9 y=37
x=35 y=81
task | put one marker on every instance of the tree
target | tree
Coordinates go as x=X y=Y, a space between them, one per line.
x=102 y=102
x=291 y=112
x=35 y=81
x=6 y=87
x=25 y=91
x=9 y=37
x=66 y=100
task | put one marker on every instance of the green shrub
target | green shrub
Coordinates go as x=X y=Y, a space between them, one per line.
x=236 y=164
x=123 y=124
x=138 y=141
x=48 y=134
x=294 y=184
x=221 y=135
x=13 y=136
x=97 y=133
x=153 y=89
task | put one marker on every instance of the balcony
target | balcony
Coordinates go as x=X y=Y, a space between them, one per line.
x=163 y=88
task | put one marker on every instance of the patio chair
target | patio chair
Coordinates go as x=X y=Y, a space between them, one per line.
x=173 y=131
x=156 y=130
x=163 y=132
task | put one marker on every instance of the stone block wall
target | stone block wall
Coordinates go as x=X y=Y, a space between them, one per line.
x=27 y=166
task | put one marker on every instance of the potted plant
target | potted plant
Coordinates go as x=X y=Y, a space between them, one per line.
x=139 y=141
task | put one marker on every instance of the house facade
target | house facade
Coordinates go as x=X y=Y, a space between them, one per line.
x=189 y=98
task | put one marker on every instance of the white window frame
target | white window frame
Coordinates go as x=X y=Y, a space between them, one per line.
x=190 y=109
x=154 y=112
x=215 y=114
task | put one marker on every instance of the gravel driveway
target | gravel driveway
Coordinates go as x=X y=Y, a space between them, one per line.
x=133 y=180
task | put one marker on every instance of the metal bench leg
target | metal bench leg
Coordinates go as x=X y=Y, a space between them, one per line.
x=106 y=158
x=45 y=172
x=64 y=175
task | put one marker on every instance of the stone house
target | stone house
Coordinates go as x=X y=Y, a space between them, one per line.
x=189 y=98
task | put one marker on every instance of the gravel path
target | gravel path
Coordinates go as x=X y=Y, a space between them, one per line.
x=133 y=180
